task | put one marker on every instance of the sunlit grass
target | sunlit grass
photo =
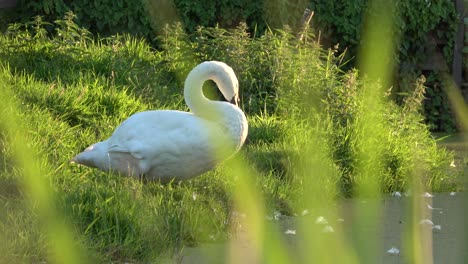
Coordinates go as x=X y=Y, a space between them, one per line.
x=317 y=135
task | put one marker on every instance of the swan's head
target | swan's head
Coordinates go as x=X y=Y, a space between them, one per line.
x=225 y=79
x=229 y=86
x=93 y=156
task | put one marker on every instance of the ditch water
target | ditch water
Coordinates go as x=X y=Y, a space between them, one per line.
x=445 y=238
x=442 y=221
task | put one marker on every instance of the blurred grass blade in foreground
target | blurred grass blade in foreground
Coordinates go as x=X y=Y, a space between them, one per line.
x=62 y=245
x=376 y=65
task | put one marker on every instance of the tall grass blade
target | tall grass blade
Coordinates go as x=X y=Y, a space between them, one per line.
x=62 y=244
x=376 y=64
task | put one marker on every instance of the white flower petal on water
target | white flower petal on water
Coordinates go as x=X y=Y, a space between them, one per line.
x=328 y=229
x=305 y=212
x=276 y=215
x=396 y=194
x=427 y=195
x=290 y=232
x=321 y=220
x=393 y=251
x=453 y=193
x=432 y=208
x=426 y=222
x=436 y=227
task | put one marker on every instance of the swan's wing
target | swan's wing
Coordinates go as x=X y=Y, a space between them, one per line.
x=123 y=160
x=116 y=148
x=170 y=140
x=167 y=144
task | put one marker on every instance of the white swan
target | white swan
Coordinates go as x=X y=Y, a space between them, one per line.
x=169 y=144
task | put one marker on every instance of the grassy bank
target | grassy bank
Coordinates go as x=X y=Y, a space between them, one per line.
x=310 y=128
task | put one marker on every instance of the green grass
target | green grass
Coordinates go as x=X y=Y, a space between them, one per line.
x=310 y=132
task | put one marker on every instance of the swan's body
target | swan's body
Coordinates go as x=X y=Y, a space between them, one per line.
x=168 y=144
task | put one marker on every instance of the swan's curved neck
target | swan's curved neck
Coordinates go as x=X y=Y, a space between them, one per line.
x=193 y=89
x=229 y=116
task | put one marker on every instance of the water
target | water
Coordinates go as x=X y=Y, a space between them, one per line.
x=448 y=244
x=444 y=210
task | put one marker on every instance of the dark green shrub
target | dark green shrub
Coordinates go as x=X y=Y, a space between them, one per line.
x=103 y=16
x=139 y=16
x=342 y=23
x=416 y=24
x=437 y=106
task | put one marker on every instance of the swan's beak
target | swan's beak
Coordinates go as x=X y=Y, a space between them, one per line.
x=235 y=100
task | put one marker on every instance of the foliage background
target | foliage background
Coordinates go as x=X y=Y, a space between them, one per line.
x=337 y=23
